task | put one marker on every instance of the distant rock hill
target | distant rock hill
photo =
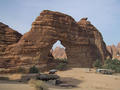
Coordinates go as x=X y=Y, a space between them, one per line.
x=114 y=50
x=84 y=43
x=59 y=53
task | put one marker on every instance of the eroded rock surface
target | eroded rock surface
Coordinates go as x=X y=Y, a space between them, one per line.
x=84 y=43
x=7 y=37
x=114 y=51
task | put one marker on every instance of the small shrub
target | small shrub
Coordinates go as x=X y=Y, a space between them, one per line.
x=61 y=66
x=97 y=64
x=112 y=64
x=63 y=60
x=4 y=78
x=33 y=69
x=21 y=70
x=38 y=84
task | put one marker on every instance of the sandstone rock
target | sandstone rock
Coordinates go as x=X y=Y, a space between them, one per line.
x=59 y=52
x=114 y=51
x=84 y=43
x=7 y=37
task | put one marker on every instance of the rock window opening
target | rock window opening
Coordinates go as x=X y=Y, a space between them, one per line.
x=58 y=51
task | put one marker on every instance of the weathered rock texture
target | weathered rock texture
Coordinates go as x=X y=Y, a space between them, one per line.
x=114 y=51
x=7 y=37
x=59 y=53
x=84 y=43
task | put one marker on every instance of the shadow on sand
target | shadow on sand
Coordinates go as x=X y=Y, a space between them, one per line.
x=10 y=82
x=68 y=83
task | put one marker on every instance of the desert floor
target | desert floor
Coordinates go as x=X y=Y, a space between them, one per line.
x=12 y=85
x=85 y=80
x=80 y=77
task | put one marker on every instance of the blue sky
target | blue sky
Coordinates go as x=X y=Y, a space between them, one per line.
x=103 y=14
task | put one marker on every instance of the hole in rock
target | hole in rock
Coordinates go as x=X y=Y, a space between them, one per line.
x=58 y=51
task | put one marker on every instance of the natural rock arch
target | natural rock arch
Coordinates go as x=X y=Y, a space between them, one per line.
x=84 y=43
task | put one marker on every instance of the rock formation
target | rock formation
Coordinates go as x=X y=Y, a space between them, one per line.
x=84 y=43
x=114 y=51
x=59 y=53
x=7 y=37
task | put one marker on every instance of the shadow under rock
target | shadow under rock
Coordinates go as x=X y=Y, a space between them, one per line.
x=68 y=83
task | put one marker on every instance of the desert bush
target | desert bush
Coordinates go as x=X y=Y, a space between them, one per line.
x=62 y=60
x=61 y=66
x=97 y=64
x=33 y=69
x=4 y=78
x=38 y=84
x=21 y=70
x=112 y=64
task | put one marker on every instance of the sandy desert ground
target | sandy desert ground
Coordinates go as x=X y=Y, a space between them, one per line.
x=90 y=80
x=80 y=77
x=6 y=85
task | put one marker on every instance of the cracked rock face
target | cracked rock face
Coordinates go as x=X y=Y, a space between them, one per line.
x=7 y=37
x=84 y=43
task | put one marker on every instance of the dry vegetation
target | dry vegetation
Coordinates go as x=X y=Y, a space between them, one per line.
x=38 y=84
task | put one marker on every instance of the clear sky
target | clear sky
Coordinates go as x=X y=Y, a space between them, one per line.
x=104 y=14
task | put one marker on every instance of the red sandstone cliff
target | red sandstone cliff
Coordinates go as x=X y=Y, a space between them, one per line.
x=84 y=43
x=8 y=37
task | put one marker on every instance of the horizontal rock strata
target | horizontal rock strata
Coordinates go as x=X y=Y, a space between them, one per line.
x=84 y=43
